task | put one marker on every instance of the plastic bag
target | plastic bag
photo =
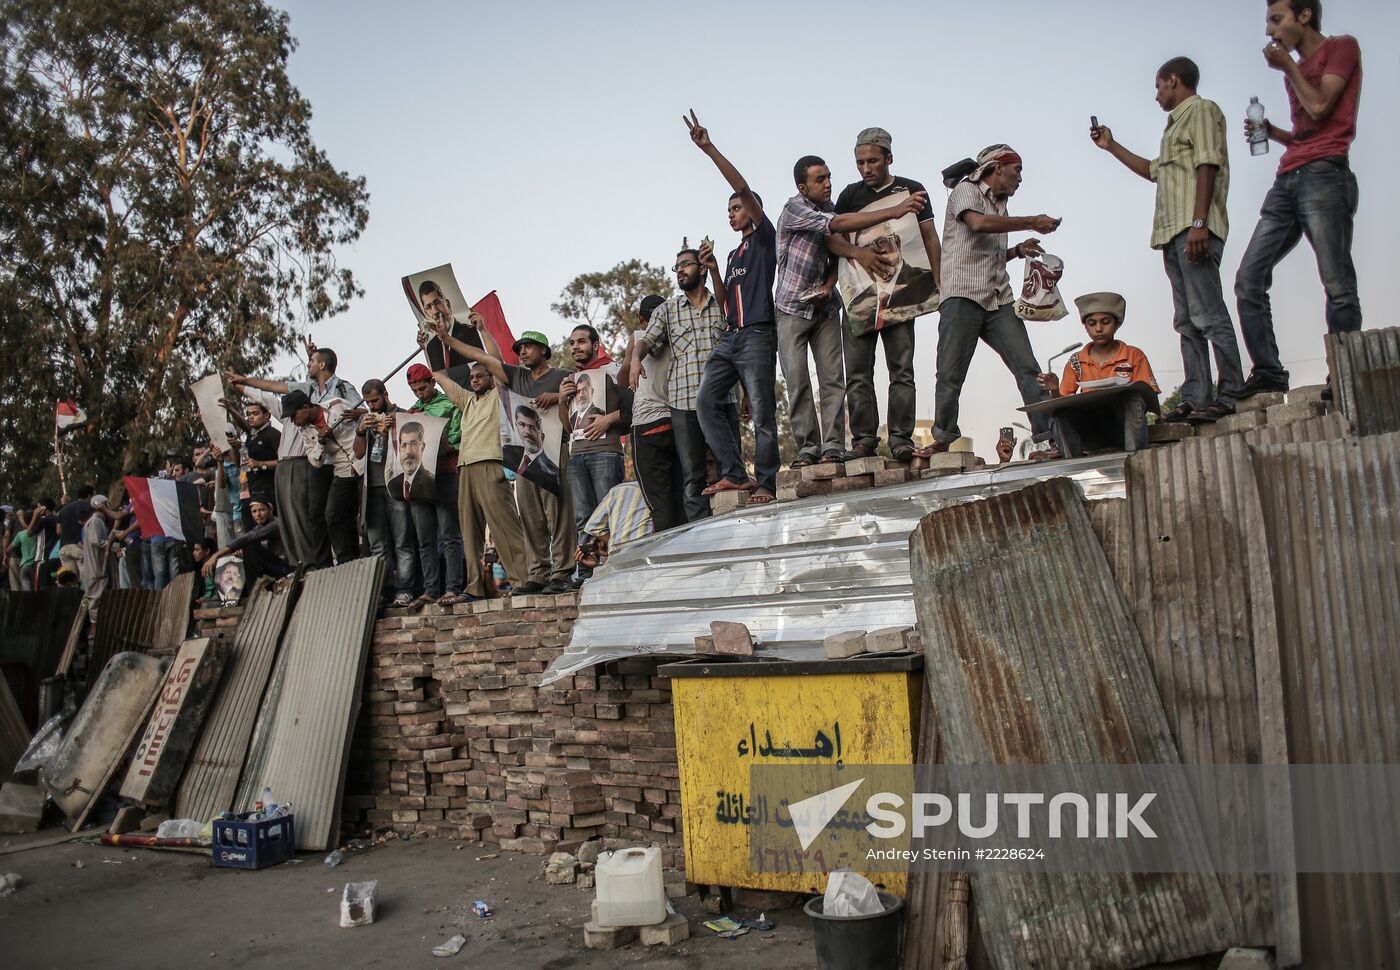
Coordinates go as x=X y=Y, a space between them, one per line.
x=357 y=903
x=1040 y=289
x=42 y=746
x=850 y=894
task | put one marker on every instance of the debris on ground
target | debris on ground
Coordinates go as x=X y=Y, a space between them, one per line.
x=451 y=948
x=480 y=908
x=727 y=927
x=357 y=903
x=9 y=882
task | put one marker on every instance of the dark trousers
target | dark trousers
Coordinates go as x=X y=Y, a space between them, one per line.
x=750 y=357
x=292 y=481
x=318 y=536
x=591 y=477
x=860 y=384
x=659 y=472
x=389 y=532
x=961 y=323
x=1317 y=201
x=342 y=518
x=690 y=446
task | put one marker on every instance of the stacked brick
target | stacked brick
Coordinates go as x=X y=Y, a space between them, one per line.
x=216 y=621
x=458 y=740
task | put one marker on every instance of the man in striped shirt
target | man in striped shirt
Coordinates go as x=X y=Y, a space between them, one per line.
x=1192 y=173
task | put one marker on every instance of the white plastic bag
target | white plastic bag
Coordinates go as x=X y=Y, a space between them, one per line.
x=1040 y=289
x=357 y=903
x=850 y=894
x=179 y=828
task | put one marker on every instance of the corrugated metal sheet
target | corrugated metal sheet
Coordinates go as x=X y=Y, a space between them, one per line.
x=126 y=621
x=211 y=778
x=793 y=571
x=34 y=627
x=173 y=612
x=1332 y=515
x=302 y=742
x=14 y=732
x=1365 y=368
x=1032 y=658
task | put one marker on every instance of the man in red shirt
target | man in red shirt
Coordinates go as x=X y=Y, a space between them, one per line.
x=1314 y=194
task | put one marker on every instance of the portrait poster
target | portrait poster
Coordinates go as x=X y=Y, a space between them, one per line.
x=435 y=296
x=873 y=304
x=530 y=440
x=410 y=467
x=229 y=580
x=595 y=395
x=207 y=392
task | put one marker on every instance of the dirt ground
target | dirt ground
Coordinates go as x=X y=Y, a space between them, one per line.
x=157 y=910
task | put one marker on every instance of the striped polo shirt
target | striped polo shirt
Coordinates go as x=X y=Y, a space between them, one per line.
x=1195 y=136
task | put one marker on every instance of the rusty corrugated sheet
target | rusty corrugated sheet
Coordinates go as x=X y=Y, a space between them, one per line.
x=211 y=778
x=1332 y=516
x=34 y=626
x=1032 y=658
x=173 y=611
x=302 y=742
x=1365 y=368
x=1199 y=589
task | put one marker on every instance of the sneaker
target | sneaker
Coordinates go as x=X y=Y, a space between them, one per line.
x=1179 y=413
x=403 y=600
x=559 y=586
x=1261 y=385
x=1210 y=413
x=526 y=589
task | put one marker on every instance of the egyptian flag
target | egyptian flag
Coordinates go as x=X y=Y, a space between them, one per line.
x=69 y=417
x=495 y=319
x=165 y=507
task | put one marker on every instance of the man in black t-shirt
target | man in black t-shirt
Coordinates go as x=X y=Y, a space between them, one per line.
x=873 y=158
x=260 y=446
x=71 y=518
x=747 y=353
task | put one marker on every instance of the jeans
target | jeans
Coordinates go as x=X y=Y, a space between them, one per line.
x=148 y=565
x=748 y=356
x=860 y=384
x=591 y=477
x=317 y=509
x=389 y=526
x=659 y=472
x=690 y=446
x=1203 y=321
x=823 y=335
x=439 y=538
x=961 y=323
x=1318 y=201
x=165 y=561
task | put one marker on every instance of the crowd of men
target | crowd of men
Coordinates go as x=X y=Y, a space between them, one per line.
x=705 y=360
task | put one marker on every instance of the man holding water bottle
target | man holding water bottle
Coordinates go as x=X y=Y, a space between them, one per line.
x=1314 y=194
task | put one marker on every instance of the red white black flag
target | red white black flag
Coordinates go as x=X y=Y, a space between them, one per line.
x=165 y=507
x=68 y=416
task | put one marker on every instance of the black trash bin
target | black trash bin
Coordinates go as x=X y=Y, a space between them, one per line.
x=858 y=942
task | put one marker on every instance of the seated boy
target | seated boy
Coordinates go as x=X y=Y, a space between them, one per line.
x=1105 y=361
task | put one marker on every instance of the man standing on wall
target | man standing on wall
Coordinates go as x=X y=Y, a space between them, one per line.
x=1315 y=192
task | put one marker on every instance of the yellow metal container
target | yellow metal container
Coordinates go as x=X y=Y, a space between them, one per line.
x=732 y=716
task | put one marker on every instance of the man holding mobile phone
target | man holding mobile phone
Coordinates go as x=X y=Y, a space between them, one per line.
x=1189 y=226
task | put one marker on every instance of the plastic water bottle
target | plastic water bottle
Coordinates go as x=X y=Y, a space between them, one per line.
x=1258 y=131
x=267 y=806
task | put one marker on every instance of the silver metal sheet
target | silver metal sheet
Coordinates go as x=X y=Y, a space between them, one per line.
x=793 y=572
x=1332 y=516
x=302 y=742
x=211 y=777
x=1031 y=657
x=1365 y=368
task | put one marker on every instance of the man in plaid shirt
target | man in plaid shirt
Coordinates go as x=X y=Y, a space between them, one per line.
x=809 y=312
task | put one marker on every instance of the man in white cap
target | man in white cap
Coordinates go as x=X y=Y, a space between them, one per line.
x=977 y=302
x=93 y=570
x=873 y=158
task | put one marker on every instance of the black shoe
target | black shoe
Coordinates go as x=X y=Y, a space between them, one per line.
x=1261 y=385
x=559 y=586
x=525 y=589
x=1210 y=413
x=1176 y=414
x=577 y=583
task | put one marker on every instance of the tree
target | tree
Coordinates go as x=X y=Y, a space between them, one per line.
x=163 y=213
x=608 y=300
x=1169 y=402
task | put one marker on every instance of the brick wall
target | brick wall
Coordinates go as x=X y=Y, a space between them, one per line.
x=458 y=740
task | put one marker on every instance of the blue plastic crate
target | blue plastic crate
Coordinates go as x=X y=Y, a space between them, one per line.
x=243 y=844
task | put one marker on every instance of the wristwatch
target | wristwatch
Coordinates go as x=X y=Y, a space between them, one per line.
x=1198 y=224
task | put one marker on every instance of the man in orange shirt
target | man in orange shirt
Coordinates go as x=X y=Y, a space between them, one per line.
x=1105 y=361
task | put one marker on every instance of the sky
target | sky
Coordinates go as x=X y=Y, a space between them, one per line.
x=527 y=143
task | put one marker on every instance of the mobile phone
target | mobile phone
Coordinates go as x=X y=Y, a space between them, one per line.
x=1094 y=121
x=1008 y=434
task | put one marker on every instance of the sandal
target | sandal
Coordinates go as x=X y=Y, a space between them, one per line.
x=803 y=462
x=1178 y=413
x=451 y=599
x=762 y=497
x=831 y=458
